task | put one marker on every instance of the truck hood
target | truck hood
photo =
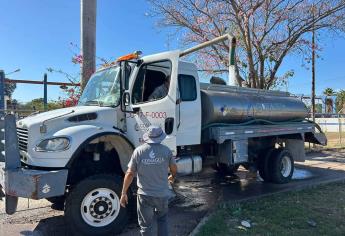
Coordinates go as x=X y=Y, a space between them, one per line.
x=67 y=112
x=59 y=118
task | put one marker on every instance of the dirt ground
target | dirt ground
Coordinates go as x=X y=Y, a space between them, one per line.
x=335 y=139
x=196 y=195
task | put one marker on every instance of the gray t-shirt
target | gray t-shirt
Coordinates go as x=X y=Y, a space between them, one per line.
x=151 y=163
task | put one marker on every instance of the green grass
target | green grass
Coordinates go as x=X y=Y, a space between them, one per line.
x=284 y=214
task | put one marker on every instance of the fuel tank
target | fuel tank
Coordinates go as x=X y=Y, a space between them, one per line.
x=233 y=105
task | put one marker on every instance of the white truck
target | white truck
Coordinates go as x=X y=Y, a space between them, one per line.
x=79 y=155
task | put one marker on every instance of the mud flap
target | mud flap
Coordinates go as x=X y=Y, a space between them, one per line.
x=321 y=138
x=317 y=138
x=296 y=148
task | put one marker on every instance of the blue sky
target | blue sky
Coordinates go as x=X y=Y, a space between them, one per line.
x=36 y=34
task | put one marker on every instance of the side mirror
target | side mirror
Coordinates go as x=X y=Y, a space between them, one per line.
x=126 y=101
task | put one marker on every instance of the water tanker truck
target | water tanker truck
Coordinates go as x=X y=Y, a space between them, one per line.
x=78 y=155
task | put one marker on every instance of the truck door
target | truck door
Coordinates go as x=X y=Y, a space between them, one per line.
x=153 y=97
x=188 y=108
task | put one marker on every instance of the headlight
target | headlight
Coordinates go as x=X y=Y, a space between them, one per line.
x=53 y=145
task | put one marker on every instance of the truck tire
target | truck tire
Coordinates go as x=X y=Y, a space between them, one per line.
x=93 y=206
x=281 y=166
x=263 y=166
x=57 y=202
x=224 y=169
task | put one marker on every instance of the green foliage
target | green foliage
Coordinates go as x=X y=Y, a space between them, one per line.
x=340 y=101
x=328 y=92
x=283 y=80
x=318 y=108
x=216 y=225
x=37 y=104
x=9 y=88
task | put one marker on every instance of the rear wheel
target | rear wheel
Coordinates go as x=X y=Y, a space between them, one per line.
x=93 y=206
x=281 y=166
x=264 y=171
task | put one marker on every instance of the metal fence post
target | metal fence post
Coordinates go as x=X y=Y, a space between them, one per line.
x=340 y=128
x=45 y=98
x=2 y=91
x=2 y=113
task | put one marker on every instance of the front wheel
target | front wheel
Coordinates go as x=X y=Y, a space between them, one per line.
x=93 y=206
x=57 y=202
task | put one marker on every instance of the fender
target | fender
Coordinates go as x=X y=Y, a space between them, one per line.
x=115 y=132
x=78 y=135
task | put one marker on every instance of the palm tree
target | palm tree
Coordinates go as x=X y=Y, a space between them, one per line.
x=328 y=101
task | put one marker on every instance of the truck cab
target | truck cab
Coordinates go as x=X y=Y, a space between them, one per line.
x=91 y=144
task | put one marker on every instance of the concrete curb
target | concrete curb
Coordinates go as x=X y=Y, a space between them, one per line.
x=211 y=212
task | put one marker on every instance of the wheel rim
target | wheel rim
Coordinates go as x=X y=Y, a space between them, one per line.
x=100 y=207
x=286 y=166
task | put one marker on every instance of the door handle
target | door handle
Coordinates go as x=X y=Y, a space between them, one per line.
x=136 y=109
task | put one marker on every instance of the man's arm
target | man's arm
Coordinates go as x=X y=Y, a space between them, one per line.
x=173 y=171
x=126 y=183
x=172 y=167
x=129 y=176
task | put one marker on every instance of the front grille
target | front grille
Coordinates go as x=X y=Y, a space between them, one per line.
x=22 y=139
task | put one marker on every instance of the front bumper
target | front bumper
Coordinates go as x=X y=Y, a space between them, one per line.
x=33 y=184
x=17 y=181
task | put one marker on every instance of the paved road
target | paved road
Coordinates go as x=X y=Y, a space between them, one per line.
x=195 y=196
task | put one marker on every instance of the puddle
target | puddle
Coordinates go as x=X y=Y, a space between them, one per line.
x=301 y=174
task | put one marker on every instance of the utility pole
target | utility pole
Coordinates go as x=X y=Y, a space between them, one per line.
x=88 y=10
x=313 y=73
x=45 y=92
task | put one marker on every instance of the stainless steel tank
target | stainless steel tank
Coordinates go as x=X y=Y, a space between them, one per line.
x=229 y=104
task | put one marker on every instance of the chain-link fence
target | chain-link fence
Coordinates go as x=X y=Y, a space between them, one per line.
x=334 y=128
x=20 y=114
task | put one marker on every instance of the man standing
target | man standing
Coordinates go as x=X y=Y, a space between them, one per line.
x=150 y=163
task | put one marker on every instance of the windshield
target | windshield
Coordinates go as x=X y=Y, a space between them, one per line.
x=103 y=89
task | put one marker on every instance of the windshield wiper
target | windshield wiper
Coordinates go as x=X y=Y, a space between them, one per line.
x=94 y=102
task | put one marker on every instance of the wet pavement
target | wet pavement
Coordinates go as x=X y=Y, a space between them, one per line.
x=196 y=195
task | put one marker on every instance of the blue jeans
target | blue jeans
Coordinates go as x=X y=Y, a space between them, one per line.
x=148 y=208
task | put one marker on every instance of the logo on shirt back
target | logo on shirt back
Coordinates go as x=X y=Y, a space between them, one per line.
x=152 y=154
x=153 y=160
